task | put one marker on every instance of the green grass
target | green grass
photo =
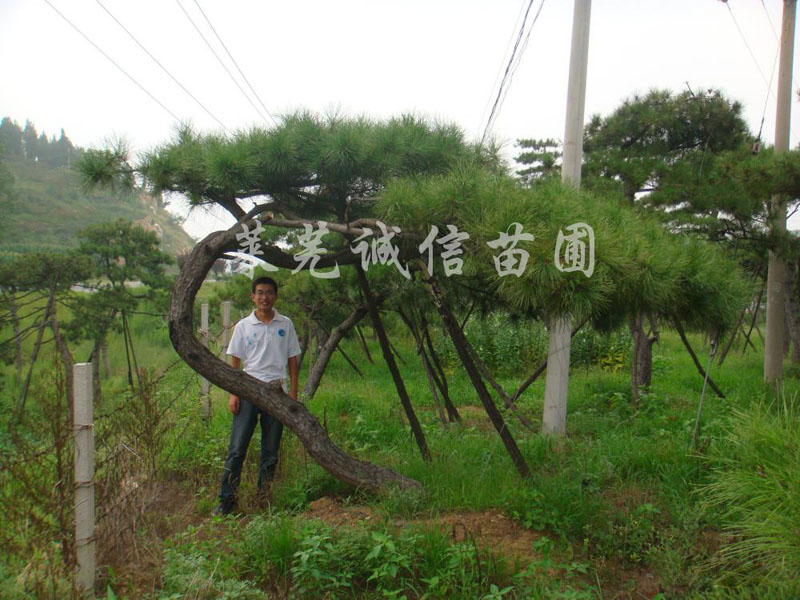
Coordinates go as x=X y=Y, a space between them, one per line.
x=622 y=492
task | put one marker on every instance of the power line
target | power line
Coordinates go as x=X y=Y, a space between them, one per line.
x=769 y=91
x=506 y=81
x=777 y=38
x=200 y=33
x=766 y=12
x=247 y=81
x=750 y=50
x=113 y=62
x=163 y=68
x=505 y=74
x=505 y=53
x=522 y=50
x=755 y=61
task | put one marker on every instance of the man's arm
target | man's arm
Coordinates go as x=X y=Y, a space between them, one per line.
x=233 y=401
x=293 y=374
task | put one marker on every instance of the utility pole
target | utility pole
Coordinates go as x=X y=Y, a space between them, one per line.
x=776 y=276
x=554 y=417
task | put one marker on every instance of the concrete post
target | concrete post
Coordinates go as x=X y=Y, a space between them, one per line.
x=206 y=396
x=85 y=548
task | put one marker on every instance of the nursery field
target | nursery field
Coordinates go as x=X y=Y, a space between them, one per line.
x=622 y=507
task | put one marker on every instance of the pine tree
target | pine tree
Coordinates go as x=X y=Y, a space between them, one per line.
x=10 y=138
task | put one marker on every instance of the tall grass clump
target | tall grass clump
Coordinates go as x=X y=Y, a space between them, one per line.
x=756 y=496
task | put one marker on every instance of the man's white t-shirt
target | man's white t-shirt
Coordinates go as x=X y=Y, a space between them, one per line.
x=264 y=348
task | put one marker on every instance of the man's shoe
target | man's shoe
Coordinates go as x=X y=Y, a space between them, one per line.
x=223 y=508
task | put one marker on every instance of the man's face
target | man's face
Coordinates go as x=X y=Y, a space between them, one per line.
x=264 y=297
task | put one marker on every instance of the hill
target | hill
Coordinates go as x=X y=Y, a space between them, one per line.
x=49 y=205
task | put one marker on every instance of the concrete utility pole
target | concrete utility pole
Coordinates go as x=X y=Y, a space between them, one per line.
x=776 y=276
x=554 y=417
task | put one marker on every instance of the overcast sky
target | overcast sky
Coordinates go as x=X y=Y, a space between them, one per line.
x=438 y=58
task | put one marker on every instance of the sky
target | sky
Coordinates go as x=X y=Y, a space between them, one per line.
x=436 y=58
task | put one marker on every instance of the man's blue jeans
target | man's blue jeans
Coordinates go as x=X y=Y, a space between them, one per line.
x=244 y=423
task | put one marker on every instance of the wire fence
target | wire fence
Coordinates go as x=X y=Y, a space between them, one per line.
x=134 y=435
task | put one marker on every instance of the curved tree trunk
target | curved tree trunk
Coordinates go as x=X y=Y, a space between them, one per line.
x=268 y=397
x=318 y=370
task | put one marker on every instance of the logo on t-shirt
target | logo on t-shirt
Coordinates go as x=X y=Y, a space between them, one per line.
x=281 y=332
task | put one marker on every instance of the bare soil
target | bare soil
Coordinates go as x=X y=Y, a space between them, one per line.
x=136 y=572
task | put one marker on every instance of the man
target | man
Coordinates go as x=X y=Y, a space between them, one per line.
x=266 y=343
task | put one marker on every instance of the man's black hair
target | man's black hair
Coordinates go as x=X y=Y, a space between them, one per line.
x=265 y=280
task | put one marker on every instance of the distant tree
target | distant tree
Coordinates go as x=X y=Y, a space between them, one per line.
x=10 y=138
x=7 y=195
x=62 y=151
x=122 y=254
x=542 y=156
x=44 y=149
x=24 y=281
x=642 y=140
x=30 y=140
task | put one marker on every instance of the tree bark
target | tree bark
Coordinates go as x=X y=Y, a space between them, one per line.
x=439 y=375
x=388 y=356
x=412 y=327
x=268 y=397
x=700 y=369
x=67 y=360
x=635 y=326
x=12 y=309
x=734 y=333
x=104 y=357
x=349 y=360
x=97 y=390
x=541 y=368
x=323 y=358
x=460 y=343
x=792 y=310
x=304 y=346
x=642 y=359
x=364 y=346
x=753 y=321
x=739 y=322
x=484 y=371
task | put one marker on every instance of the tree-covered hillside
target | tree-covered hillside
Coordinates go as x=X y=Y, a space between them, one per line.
x=47 y=204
